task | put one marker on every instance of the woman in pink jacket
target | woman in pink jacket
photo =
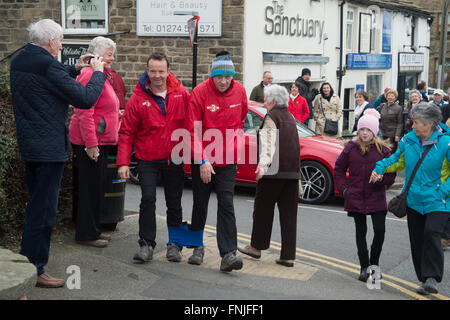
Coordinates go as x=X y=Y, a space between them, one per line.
x=94 y=134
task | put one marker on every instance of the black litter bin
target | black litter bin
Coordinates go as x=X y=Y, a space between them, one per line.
x=113 y=201
x=114 y=197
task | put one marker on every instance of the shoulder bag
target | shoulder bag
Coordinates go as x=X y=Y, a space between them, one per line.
x=331 y=127
x=397 y=205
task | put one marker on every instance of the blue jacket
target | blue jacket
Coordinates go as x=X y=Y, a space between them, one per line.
x=428 y=192
x=42 y=89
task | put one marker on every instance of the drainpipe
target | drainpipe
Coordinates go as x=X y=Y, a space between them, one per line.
x=341 y=50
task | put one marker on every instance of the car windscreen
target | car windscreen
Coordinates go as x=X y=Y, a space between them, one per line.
x=254 y=120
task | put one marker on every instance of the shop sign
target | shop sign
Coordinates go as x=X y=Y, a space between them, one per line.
x=411 y=62
x=278 y=23
x=369 y=61
x=156 y=17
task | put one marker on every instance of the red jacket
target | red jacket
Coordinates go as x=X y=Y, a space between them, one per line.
x=299 y=108
x=84 y=125
x=118 y=86
x=218 y=111
x=144 y=125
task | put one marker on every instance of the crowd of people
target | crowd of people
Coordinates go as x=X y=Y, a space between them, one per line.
x=103 y=123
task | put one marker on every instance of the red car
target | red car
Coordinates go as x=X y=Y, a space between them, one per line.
x=318 y=155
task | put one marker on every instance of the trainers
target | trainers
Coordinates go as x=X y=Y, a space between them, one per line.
x=173 y=252
x=145 y=252
x=197 y=256
x=431 y=285
x=230 y=262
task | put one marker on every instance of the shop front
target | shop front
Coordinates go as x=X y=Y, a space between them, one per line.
x=410 y=67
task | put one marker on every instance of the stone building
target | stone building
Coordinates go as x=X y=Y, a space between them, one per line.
x=435 y=8
x=132 y=50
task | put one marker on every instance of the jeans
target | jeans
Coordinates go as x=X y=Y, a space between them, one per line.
x=43 y=181
x=224 y=182
x=173 y=180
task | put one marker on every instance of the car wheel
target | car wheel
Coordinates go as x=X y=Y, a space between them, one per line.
x=134 y=174
x=317 y=182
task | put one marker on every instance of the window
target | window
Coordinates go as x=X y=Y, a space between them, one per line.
x=439 y=26
x=374 y=84
x=84 y=16
x=349 y=32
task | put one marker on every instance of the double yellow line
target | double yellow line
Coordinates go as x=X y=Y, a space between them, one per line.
x=346 y=266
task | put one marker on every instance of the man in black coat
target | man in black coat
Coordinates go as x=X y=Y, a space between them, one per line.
x=306 y=91
x=42 y=89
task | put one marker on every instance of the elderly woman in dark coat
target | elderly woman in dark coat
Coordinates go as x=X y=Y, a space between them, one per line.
x=278 y=174
x=362 y=198
x=391 y=119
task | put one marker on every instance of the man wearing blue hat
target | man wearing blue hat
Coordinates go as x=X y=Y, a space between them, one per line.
x=218 y=106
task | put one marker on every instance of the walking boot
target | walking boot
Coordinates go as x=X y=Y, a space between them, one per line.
x=173 y=252
x=230 y=262
x=145 y=252
x=197 y=256
x=363 y=275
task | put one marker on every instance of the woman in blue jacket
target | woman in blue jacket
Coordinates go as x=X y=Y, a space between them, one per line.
x=427 y=208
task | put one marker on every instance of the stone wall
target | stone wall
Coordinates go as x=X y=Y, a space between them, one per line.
x=132 y=51
x=434 y=7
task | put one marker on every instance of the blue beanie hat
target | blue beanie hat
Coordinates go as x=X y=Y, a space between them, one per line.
x=222 y=65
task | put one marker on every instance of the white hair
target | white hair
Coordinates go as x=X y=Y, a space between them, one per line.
x=278 y=94
x=99 y=45
x=43 y=31
x=427 y=112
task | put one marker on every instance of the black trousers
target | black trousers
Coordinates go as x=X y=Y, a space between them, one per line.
x=446 y=234
x=173 y=180
x=91 y=191
x=379 y=228
x=224 y=182
x=426 y=249
x=284 y=193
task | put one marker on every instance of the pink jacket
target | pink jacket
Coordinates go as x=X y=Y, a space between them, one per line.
x=87 y=127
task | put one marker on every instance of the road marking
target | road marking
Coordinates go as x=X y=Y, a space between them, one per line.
x=338 y=263
x=335 y=211
x=351 y=267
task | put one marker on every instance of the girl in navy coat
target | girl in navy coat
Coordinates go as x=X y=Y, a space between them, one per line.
x=361 y=197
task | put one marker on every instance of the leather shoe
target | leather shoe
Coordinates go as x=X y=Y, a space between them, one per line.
x=105 y=236
x=47 y=281
x=95 y=243
x=250 y=251
x=286 y=263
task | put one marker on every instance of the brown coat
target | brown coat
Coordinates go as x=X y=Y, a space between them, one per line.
x=391 y=120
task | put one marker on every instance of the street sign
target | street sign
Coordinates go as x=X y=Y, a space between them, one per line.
x=192 y=29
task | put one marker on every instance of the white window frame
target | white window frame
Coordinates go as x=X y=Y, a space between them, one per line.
x=349 y=40
x=67 y=30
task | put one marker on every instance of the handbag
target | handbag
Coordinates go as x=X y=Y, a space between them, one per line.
x=397 y=205
x=331 y=127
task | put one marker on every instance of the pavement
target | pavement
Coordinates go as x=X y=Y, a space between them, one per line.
x=111 y=274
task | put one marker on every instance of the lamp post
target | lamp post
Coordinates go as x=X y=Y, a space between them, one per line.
x=443 y=45
x=193 y=34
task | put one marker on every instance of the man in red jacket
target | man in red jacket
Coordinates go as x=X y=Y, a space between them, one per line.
x=217 y=108
x=157 y=107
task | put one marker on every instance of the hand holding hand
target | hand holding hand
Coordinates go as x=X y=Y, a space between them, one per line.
x=374 y=177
